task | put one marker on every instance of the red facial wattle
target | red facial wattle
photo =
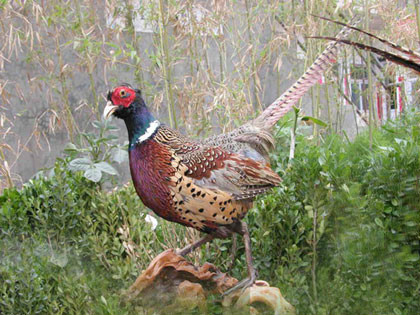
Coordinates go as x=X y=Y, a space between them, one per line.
x=123 y=95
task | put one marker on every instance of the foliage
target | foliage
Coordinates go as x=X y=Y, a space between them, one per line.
x=68 y=247
x=340 y=236
x=98 y=152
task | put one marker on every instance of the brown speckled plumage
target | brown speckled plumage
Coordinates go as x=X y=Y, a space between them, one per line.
x=207 y=186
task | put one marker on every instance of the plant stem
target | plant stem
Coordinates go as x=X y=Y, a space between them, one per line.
x=369 y=69
x=327 y=100
x=138 y=73
x=314 y=261
x=255 y=92
x=293 y=136
x=163 y=36
x=417 y=7
x=64 y=89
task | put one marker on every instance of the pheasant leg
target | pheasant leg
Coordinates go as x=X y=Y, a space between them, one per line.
x=221 y=232
x=233 y=252
x=252 y=272
x=189 y=248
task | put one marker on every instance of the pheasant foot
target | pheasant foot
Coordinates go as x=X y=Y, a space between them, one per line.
x=252 y=272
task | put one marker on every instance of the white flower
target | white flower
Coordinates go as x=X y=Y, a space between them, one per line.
x=152 y=220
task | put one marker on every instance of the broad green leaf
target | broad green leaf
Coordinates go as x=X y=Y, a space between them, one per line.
x=80 y=164
x=106 y=167
x=93 y=174
x=119 y=155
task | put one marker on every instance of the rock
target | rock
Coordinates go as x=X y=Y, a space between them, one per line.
x=172 y=284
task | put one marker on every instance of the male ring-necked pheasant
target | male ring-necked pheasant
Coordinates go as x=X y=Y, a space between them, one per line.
x=208 y=185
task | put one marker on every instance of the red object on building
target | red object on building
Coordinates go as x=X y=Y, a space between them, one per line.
x=379 y=103
x=400 y=104
x=346 y=88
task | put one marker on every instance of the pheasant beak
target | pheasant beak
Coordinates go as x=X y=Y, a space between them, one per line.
x=109 y=109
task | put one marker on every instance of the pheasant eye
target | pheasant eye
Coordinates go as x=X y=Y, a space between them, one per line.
x=123 y=93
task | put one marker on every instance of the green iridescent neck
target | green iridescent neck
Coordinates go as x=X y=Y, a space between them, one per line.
x=140 y=125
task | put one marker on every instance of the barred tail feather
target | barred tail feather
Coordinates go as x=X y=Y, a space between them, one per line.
x=410 y=54
x=387 y=55
x=284 y=103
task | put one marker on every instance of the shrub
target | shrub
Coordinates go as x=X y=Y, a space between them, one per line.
x=339 y=236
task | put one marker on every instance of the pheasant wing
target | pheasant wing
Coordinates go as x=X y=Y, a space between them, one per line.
x=211 y=186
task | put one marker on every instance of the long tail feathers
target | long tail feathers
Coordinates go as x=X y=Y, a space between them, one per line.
x=411 y=55
x=405 y=62
x=285 y=102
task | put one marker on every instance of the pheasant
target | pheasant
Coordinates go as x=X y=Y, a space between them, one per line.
x=210 y=184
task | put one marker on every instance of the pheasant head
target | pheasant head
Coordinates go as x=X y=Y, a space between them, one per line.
x=126 y=103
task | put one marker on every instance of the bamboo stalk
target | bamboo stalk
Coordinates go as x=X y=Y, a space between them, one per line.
x=255 y=92
x=314 y=255
x=64 y=90
x=417 y=8
x=138 y=73
x=163 y=37
x=369 y=69
x=327 y=99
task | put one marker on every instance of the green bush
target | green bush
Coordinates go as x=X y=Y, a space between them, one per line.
x=62 y=243
x=339 y=236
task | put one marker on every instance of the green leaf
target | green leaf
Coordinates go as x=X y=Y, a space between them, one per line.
x=412 y=258
x=97 y=124
x=397 y=311
x=112 y=128
x=111 y=137
x=80 y=164
x=379 y=222
x=119 y=155
x=103 y=300
x=93 y=174
x=106 y=168
x=70 y=147
x=60 y=260
x=314 y=120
